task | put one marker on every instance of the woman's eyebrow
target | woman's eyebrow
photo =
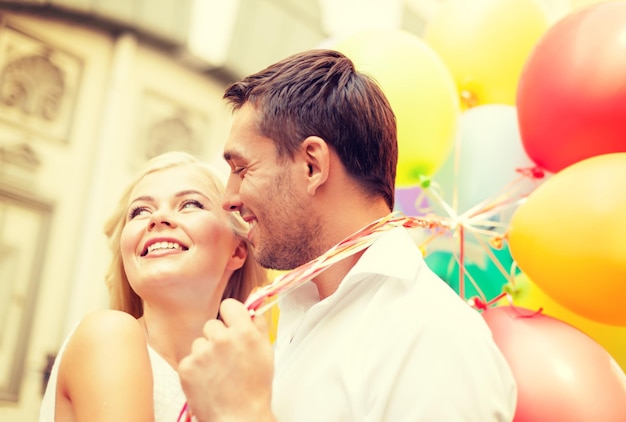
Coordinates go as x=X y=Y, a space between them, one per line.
x=142 y=198
x=148 y=198
x=190 y=192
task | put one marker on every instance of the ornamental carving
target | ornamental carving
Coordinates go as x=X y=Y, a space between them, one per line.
x=38 y=84
x=33 y=86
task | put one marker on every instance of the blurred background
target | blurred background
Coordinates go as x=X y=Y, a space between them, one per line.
x=89 y=90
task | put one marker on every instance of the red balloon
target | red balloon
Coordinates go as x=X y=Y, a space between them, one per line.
x=561 y=373
x=571 y=98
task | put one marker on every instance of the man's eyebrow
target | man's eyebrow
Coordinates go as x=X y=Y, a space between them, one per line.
x=232 y=155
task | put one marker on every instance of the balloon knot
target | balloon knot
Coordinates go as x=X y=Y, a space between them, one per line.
x=477 y=303
x=533 y=172
x=468 y=99
x=497 y=242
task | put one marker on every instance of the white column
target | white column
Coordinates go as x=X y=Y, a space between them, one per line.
x=88 y=290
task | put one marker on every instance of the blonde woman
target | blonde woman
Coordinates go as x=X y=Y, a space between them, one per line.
x=176 y=255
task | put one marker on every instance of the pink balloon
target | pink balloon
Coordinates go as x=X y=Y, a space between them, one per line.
x=561 y=373
x=411 y=201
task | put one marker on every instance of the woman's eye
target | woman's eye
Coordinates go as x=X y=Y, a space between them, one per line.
x=192 y=203
x=137 y=211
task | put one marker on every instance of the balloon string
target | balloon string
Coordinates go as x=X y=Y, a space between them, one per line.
x=518 y=311
x=466 y=276
x=479 y=222
x=500 y=200
x=462 y=262
x=482 y=305
x=185 y=414
x=264 y=298
x=493 y=257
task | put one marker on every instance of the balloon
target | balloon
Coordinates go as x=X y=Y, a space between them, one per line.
x=479 y=266
x=561 y=373
x=420 y=90
x=526 y=294
x=411 y=201
x=568 y=237
x=487 y=153
x=556 y=9
x=485 y=43
x=575 y=4
x=272 y=318
x=571 y=98
x=273 y=313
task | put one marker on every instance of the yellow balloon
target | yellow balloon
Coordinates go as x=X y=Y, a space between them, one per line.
x=421 y=92
x=568 y=237
x=526 y=294
x=485 y=44
x=273 y=313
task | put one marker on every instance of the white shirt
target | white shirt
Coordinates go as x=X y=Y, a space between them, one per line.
x=393 y=343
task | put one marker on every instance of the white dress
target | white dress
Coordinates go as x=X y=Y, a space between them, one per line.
x=169 y=398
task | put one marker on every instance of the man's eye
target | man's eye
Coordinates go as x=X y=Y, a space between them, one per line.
x=238 y=170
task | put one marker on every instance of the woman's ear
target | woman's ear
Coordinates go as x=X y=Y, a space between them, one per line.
x=238 y=257
x=317 y=158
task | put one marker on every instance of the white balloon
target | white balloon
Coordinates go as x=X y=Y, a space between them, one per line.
x=487 y=153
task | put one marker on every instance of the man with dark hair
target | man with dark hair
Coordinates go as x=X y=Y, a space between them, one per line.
x=375 y=337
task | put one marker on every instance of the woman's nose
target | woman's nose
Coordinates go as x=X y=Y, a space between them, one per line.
x=161 y=218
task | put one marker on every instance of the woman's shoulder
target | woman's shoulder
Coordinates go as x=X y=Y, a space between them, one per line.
x=105 y=331
x=106 y=367
x=110 y=346
x=108 y=321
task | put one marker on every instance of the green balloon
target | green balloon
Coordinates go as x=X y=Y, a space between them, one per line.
x=488 y=277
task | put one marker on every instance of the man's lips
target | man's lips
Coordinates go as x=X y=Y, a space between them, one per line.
x=252 y=223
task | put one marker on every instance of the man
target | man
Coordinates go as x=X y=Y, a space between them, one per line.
x=377 y=336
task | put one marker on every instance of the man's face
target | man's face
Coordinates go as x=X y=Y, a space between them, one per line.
x=270 y=194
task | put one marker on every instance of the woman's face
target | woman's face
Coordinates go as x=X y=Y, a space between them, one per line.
x=176 y=236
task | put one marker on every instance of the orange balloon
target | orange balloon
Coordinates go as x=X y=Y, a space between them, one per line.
x=526 y=294
x=569 y=237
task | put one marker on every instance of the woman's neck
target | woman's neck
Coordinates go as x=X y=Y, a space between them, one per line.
x=171 y=333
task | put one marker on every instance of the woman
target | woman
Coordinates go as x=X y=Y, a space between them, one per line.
x=176 y=255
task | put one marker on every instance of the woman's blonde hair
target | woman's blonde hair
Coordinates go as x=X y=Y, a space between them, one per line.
x=122 y=296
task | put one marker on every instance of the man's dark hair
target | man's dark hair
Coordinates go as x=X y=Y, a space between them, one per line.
x=320 y=93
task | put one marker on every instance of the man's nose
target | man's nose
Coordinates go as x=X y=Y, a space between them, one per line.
x=232 y=200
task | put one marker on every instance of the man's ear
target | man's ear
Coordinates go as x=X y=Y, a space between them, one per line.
x=238 y=257
x=317 y=158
